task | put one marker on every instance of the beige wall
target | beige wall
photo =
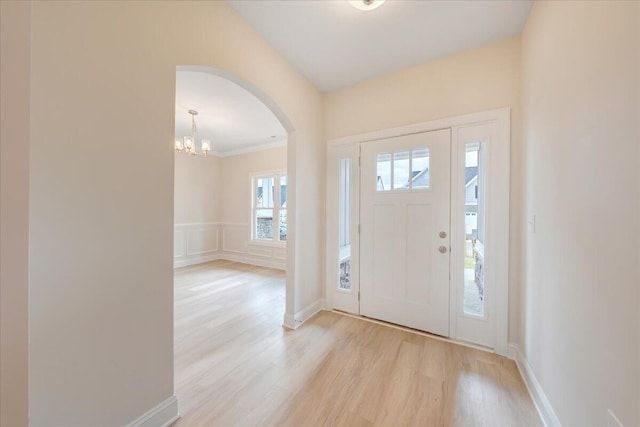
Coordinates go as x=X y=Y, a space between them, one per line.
x=237 y=172
x=580 y=330
x=101 y=214
x=473 y=81
x=213 y=206
x=15 y=42
x=197 y=189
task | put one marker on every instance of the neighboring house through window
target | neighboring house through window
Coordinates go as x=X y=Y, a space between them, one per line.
x=269 y=207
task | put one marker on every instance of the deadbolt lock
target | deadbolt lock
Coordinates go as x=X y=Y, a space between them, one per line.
x=443 y=234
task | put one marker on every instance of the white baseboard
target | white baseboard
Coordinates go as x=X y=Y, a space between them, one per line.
x=294 y=322
x=289 y=321
x=254 y=260
x=162 y=415
x=198 y=259
x=243 y=258
x=540 y=400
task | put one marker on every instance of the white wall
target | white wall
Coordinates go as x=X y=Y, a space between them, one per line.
x=197 y=195
x=580 y=321
x=213 y=208
x=235 y=211
x=197 y=189
x=473 y=81
x=15 y=42
x=101 y=194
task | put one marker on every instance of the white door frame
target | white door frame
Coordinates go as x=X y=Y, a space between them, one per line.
x=497 y=212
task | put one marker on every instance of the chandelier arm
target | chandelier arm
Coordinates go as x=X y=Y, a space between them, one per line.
x=190 y=148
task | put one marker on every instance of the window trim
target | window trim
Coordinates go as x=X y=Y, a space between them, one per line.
x=275 y=238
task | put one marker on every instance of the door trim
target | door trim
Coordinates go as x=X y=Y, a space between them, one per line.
x=499 y=213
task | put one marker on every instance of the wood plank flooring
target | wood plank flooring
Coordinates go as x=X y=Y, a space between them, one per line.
x=236 y=365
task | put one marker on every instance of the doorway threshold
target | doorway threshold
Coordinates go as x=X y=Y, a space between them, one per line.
x=414 y=331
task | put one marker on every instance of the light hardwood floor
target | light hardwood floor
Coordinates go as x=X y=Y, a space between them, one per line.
x=236 y=365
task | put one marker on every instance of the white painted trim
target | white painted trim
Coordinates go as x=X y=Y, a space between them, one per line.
x=492 y=328
x=192 y=260
x=278 y=264
x=540 y=400
x=334 y=296
x=276 y=175
x=161 y=415
x=613 y=420
x=273 y=258
x=500 y=217
x=294 y=322
x=501 y=116
x=268 y=243
x=190 y=225
x=289 y=321
x=309 y=311
x=224 y=243
x=448 y=122
x=250 y=149
x=208 y=251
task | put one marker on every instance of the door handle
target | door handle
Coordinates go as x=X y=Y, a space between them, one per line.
x=442 y=249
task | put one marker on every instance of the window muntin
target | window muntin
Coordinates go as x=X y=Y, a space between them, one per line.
x=420 y=168
x=401 y=167
x=269 y=207
x=403 y=170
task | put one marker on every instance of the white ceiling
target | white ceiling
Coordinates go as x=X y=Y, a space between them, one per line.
x=230 y=116
x=336 y=45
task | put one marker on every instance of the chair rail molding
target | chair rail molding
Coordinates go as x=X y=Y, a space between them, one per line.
x=195 y=243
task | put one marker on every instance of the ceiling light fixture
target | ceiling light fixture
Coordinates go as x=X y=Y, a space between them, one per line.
x=366 y=4
x=187 y=144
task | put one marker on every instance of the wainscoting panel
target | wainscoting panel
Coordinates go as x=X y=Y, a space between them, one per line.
x=195 y=243
x=258 y=250
x=235 y=238
x=202 y=241
x=280 y=253
x=179 y=244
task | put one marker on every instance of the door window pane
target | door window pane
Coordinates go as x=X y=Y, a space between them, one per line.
x=384 y=172
x=474 y=211
x=420 y=168
x=401 y=170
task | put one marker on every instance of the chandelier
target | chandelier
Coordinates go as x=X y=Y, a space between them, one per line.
x=187 y=144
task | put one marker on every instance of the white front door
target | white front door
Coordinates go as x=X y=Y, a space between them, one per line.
x=404 y=237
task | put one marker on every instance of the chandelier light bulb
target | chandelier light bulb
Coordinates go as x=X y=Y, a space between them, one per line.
x=366 y=4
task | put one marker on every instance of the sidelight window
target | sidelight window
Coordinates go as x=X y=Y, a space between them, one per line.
x=474 y=221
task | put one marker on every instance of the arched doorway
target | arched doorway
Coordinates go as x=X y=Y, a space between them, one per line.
x=287 y=125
